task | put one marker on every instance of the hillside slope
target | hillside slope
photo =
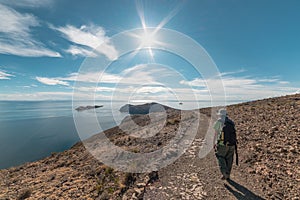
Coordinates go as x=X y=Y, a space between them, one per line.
x=268 y=134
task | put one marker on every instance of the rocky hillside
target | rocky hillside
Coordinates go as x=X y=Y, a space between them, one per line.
x=268 y=134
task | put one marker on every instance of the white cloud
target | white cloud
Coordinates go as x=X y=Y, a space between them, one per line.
x=28 y=86
x=236 y=82
x=80 y=51
x=95 y=89
x=92 y=77
x=51 y=81
x=196 y=82
x=245 y=88
x=15 y=34
x=152 y=89
x=28 y=3
x=140 y=80
x=269 y=80
x=25 y=49
x=37 y=96
x=5 y=75
x=136 y=75
x=142 y=89
x=145 y=74
x=91 y=36
x=143 y=82
x=284 y=82
x=232 y=72
x=51 y=95
x=16 y=23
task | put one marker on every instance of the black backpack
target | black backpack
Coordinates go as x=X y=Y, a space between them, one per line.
x=229 y=132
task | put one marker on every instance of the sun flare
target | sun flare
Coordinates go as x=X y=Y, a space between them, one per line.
x=147 y=39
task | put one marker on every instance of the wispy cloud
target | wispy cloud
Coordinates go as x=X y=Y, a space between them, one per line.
x=5 y=75
x=80 y=51
x=245 y=88
x=92 y=77
x=232 y=72
x=91 y=37
x=28 y=3
x=143 y=82
x=141 y=74
x=129 y=90
x=127 y=82
x=95 y=89
x=51 y=81
x=197 y=82
x=34 y=96
x=15 y=34
x=284 y=82
x=136 y=75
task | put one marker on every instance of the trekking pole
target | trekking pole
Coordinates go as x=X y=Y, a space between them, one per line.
x=236 y=155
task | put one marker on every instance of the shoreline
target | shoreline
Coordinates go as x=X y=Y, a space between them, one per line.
x=267 y=160
x=78 y=140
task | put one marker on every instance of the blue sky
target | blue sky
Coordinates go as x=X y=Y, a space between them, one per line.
x=43 y=44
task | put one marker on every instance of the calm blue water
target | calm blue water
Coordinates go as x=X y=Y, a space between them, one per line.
x=32 y=130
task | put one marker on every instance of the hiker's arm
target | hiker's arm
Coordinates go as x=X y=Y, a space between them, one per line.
x=215 y=139
x=216 y=128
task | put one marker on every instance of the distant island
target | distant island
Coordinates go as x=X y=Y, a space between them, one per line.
x=142 y=109
x=82 y=108
x=268 y=135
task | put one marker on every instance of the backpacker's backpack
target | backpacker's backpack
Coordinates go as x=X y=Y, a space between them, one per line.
x=229 y=132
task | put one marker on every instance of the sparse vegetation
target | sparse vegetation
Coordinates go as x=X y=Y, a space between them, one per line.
x=108 y=171
x=129 y=179
x=172 y=121
x=268 y=142
x=24 y=194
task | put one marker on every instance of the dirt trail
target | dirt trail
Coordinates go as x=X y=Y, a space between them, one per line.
x=268 y=133
x=193 y=178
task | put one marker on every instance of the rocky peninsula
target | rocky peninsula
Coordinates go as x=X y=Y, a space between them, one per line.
x=268 y=134
x=144 y=108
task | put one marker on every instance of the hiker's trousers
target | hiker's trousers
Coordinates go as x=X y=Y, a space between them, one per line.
x=224 y=155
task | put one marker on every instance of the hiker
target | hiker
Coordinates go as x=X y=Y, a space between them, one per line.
x=224 y=143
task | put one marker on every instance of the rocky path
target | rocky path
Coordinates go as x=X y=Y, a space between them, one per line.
x=268 y=134
x=177 y=182
x=193 y=178
x=189 y=177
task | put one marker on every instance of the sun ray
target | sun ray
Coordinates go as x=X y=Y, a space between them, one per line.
x=151 y=55
x=140 y=11
x=148 y=39
x=172 y=14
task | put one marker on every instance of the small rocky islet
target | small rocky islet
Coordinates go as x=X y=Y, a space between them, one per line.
x=268 y=135
x=82 y=108
x=143 y=109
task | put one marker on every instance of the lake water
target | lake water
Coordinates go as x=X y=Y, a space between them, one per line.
x=31 y=130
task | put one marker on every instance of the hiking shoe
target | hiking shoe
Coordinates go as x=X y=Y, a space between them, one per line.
x=227 y=176
x=223 y=178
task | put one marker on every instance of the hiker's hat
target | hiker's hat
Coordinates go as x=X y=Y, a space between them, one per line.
x=222 y=112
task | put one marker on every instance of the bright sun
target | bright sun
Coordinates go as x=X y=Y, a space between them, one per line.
x=147 y=39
